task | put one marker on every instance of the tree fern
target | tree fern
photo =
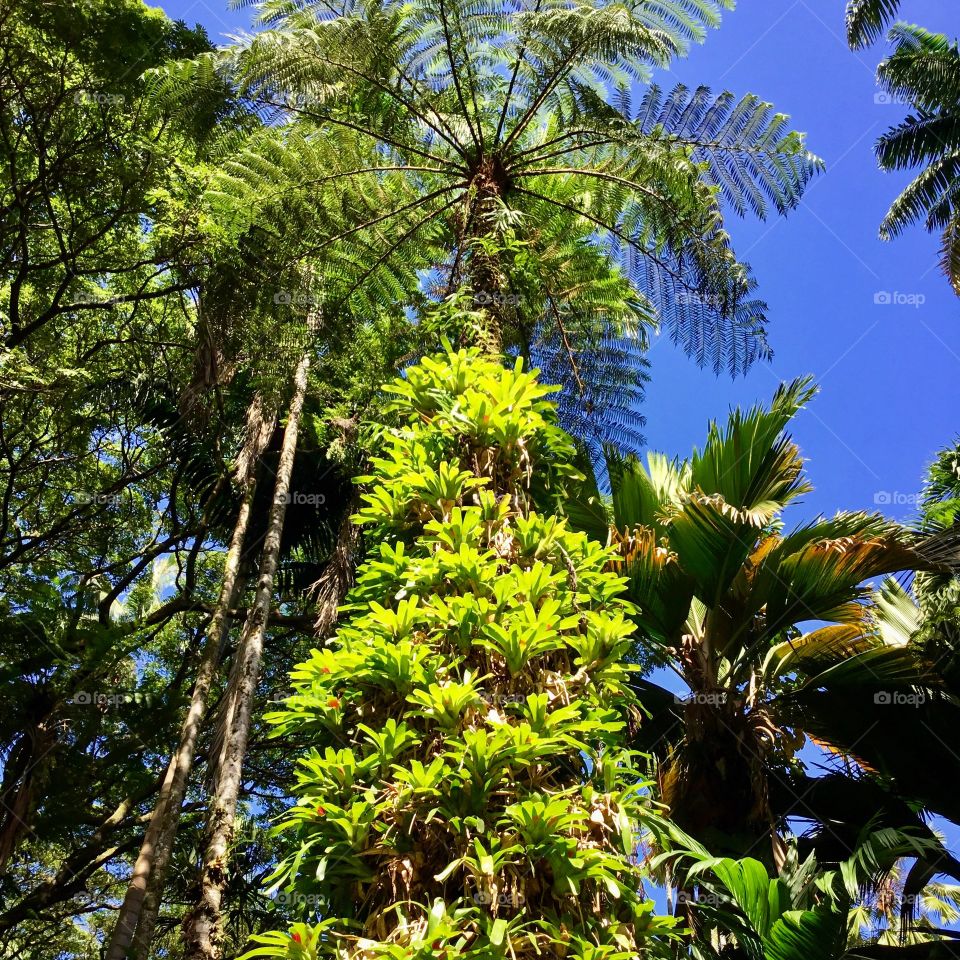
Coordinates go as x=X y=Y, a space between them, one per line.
x=749 y=151
x=489 y=118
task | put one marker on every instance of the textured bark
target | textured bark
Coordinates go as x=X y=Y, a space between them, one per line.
x=158 y=839
x=138 y=914
x=140 y=948
x=485 y=273
x=203 y=925
x=259 y=429
x=338 y=576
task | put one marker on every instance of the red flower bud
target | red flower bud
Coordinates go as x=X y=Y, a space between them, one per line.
x=296 y=938
x=333 y=703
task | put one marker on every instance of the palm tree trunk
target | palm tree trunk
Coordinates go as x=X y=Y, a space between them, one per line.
x=158 y=840
x=203 y=926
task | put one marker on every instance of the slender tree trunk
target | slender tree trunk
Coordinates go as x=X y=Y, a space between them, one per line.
x=203 y=925
x=485 y=273
x=158 y=840
x=16 y=801
x=339 y=574
x=140 y=950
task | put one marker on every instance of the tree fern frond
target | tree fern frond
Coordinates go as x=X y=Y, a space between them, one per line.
x=749 y=151
x=410 y=134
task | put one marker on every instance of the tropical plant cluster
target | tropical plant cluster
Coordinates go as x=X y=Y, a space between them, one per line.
x=342 y=613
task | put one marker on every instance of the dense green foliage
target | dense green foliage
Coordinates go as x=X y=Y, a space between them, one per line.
x=211 y=261
x=724 y=594
x=472 y=713
x=507 y=156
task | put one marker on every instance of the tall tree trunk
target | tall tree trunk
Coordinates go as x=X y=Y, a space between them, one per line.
x=16 y=801
x=203 y=925
x=158 y=839
x=485 y=272
x=140 y=950
x=138 y=914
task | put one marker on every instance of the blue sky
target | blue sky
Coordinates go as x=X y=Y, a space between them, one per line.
x=889 y=373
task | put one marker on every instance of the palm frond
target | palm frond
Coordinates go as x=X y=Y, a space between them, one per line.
x=866 y=20
x=922 y=68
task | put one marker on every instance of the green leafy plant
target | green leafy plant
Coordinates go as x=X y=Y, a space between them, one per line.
x=725 y=596
x=923 y=70
x=524 y=169
x=470 y=790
